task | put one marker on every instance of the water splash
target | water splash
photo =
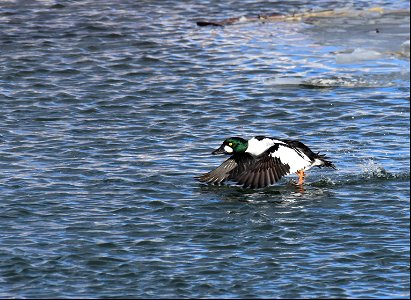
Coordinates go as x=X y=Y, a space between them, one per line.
x=372 y=170
x=349 y=81
x=345 y=81
x=370 y=173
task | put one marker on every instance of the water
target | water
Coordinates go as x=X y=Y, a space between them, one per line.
x=109 y=111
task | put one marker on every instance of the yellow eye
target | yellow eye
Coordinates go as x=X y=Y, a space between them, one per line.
x=230 y=144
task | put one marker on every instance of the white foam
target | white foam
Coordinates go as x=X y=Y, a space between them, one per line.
x=342 y=81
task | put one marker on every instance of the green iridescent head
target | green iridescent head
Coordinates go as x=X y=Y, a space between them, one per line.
x=232 y=145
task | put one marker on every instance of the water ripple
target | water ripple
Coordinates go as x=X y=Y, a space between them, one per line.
x=109 y=112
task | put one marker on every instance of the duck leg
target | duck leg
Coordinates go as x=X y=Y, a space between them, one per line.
x=300 y=177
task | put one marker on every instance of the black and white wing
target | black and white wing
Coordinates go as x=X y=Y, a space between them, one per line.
x=266 y=171
x=229 y=169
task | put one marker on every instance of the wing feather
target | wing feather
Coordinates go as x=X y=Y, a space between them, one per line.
x=229 y=169
x=219 y=174
x=271 y=176
x=249 y=171
x=256 y=180
x=265 y=167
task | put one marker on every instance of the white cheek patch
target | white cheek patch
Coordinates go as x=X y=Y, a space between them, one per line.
x=228 y=149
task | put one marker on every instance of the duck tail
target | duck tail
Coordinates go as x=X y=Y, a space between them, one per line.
x=325 y=161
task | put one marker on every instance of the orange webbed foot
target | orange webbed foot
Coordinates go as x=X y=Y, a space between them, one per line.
x=301 y=176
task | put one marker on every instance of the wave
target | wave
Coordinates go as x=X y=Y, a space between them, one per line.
x=370 y=81
x=370 y=173
x=338 y=81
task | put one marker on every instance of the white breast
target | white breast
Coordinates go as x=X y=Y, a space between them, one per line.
x=256 y=147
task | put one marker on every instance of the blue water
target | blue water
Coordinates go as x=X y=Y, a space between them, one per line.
x=109 y=111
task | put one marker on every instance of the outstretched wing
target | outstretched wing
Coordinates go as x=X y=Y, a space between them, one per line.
x=266 y=171
x=229 y=169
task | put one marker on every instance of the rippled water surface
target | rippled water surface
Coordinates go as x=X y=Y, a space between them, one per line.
x=109 y=111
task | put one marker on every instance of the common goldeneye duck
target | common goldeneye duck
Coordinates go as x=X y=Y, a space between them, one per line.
x=262 y=161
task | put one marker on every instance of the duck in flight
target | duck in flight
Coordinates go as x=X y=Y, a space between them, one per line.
x=262 y=161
